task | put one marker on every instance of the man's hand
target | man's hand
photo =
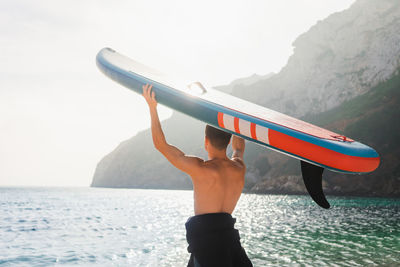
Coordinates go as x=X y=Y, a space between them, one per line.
x=150 y=96
x=238 y=146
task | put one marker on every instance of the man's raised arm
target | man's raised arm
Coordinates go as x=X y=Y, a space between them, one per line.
x=175 y=156
x=238 y=147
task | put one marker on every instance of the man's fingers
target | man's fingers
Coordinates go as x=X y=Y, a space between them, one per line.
x=147 y=92
x=144 y=87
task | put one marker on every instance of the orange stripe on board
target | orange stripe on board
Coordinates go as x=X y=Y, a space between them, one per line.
x=236 y=125
x=253 y=130
x=322 y=155
x=221 y=119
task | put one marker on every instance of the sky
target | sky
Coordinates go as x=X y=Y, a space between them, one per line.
x=59 y=116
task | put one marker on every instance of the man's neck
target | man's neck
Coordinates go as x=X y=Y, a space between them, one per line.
x=217 y=154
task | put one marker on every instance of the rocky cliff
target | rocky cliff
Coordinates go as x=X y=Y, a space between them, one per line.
x=342 y=76
x=339 y=58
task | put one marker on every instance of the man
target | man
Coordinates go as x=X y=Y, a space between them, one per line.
x=217 y=184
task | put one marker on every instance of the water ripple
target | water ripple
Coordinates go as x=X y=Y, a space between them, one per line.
x=120 y=227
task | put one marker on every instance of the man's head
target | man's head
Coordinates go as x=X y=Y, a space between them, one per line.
x=217 y=138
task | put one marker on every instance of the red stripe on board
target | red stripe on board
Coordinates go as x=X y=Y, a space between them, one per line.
x=253 y=130
x=320 y=154
x=297 y=125
x=236 y=124
x=221 y=119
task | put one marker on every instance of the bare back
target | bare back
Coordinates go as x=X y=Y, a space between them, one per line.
x=218 y=186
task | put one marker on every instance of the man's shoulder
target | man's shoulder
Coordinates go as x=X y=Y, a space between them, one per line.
x=197 y=159
x=239 y=163
x=231 y=164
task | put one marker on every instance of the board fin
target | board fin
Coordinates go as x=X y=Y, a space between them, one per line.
x=312 y=177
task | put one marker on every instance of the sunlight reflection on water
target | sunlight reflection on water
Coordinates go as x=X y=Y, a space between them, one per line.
x=121 y=227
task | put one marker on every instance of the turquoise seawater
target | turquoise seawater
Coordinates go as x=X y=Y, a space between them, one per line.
x=128 y=227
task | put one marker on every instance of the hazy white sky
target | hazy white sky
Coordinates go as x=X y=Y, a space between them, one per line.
x=59 y=115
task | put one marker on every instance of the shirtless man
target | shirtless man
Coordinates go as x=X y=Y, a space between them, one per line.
x=217 y=184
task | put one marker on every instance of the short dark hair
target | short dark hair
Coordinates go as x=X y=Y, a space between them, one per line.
x=218 y=138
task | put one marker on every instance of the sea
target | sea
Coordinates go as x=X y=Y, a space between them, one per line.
x=45 y=226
